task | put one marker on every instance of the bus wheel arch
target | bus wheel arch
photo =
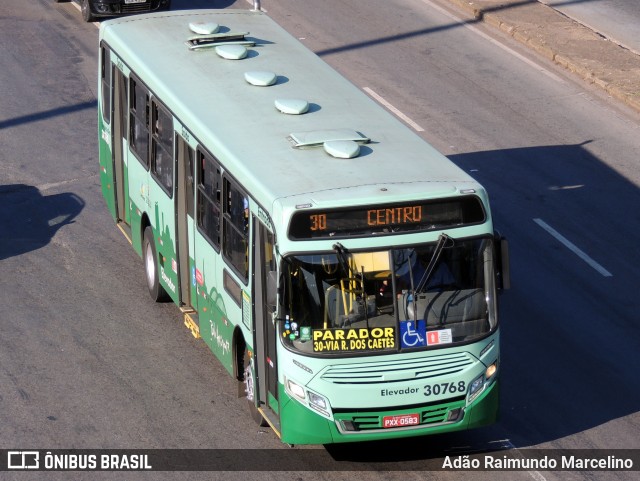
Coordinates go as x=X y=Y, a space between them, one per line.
x=144 y=223
x=245 y=375
x=150 y=261
x=239 y=346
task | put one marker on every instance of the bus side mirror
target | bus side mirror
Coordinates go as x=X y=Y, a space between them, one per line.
x=502 y=262
x=272 y=289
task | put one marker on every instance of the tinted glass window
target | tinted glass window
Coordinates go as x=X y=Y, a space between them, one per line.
x=139 y=121
x=162 y=148
x=208 y=204
x=236 y=228
x=106 y=85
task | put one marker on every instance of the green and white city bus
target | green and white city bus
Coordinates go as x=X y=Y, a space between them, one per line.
x=339 y=267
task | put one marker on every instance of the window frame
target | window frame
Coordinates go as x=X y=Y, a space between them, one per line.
x=231 y=232
x=139 y=117
x=208 y=199
x=163 y=141
x=106 y=78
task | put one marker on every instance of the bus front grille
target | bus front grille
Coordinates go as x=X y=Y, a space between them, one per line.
x=398 y=370
x=431 y=415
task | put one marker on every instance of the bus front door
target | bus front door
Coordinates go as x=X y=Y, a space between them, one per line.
x=184 y=195
x=119 y=133
x=265 y=329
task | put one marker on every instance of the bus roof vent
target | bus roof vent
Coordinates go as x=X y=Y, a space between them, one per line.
x=292 y=106
x=232 y=52
x=260 y=78
x=342 y=149
x=320 y=137
x=204 y=28
x=219 y=39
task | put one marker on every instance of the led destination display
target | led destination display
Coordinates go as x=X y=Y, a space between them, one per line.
x=389 y=218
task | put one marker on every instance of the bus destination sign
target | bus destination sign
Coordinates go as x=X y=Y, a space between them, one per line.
x=386 y=219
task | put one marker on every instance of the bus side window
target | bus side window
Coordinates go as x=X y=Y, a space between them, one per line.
x=236 y=228
x=208 y=201
x=191 y=181
x=139 y=121
x=162 y=148
x=106 y=84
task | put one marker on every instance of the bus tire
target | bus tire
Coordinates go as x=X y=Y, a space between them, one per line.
x=87 y=15
x=250 y=391
x=150 y=259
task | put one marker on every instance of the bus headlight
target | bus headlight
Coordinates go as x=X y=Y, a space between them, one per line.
x=479 y=383
x=476 y=387
x=295 y=389
x=318 y=403
x=310 y=399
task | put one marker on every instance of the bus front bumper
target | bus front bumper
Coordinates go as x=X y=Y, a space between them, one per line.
x=300 y=425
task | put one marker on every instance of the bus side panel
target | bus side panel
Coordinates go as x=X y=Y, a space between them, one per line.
x=136 y=226
x=128 y=205
x=299 y=425
x=138 y=181
x=191 y=224
x=189 y=142
x=104 y=139
x=106 y=164
x=215 y=308
x=486 y=410
x=164 y=228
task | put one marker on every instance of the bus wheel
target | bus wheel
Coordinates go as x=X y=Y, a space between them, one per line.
x=150 y=258
x=87 y=16
x=250 y=390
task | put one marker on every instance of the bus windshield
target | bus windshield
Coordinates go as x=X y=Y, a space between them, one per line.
x=415 y=297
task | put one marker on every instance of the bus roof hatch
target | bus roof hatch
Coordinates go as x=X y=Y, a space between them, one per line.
x=320 y=137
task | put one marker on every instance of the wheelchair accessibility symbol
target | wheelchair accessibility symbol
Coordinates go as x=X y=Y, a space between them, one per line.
x=413 y=334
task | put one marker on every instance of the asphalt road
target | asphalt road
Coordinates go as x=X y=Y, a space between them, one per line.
x=88 y=361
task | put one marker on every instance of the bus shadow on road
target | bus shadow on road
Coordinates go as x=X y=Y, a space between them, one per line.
x=29 y=219
x=569 y=330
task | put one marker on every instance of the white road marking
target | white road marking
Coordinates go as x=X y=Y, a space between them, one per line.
x=573 y=248
x=393 y=109
x=493 y=41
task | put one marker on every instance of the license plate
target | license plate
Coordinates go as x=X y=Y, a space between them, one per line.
x=400 y=420
x=134 y=1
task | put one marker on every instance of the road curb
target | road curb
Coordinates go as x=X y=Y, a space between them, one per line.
x=564 y=41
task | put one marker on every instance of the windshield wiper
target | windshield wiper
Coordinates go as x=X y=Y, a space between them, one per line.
x=342 y=258
x=415 y=290
x=442 y=241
